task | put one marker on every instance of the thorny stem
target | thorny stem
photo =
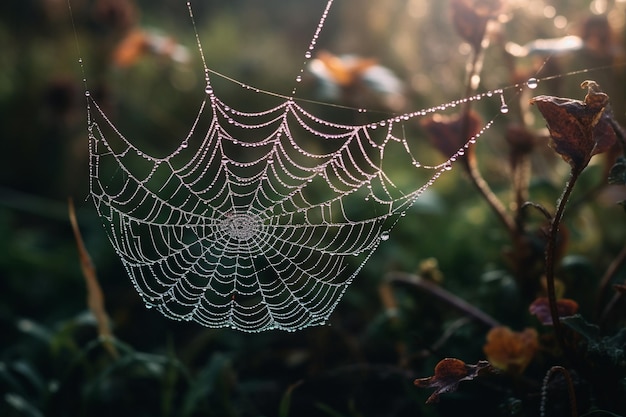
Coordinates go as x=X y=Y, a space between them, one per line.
x=442 y=294
x=570 y=390
x=550 y=257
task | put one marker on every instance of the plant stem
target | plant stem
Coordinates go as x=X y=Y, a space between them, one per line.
x=550 y=256
x=492 y=200
x=570 y=390
x=470 y=163
x=442 y=294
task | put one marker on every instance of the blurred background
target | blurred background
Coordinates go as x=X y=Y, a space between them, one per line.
x=142 y=66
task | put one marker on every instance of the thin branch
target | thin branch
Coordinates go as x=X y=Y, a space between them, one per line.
x=493 y=201
x=540 y=208
x=443 y=295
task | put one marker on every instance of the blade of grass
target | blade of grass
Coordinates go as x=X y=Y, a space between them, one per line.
x=95 y=298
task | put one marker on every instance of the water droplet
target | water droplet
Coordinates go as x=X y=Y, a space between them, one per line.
x=532 y=83
x=489 y=93
x=504 y=109
x=87 y=93
x=80 y=60
x=384 y=235
x=184 y=144
x=298 y=79
x=208 y=89
x=307 y=54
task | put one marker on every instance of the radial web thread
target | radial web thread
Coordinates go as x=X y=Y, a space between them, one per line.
x=257 y=220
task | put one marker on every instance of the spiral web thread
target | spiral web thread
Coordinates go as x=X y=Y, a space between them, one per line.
x=258 y=220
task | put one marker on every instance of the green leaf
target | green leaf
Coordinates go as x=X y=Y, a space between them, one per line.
x=206 y=382
x=617 y=174
x=22 y=405
x=589 y=331
x=285 y=402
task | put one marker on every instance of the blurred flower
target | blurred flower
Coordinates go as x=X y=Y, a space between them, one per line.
x=521 y=140
x=578 y=129
x=349 y=78
x=470 y=18
x=449 y=372
x=139 y=42
x=448 y=134
x=117 y=14
x=598 y=38
x=511 y=351
x=541 y=308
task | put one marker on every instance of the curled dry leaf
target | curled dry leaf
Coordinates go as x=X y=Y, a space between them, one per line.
x=449 y=372
x=446 y=133
x=470 y=18
x=578 y=129
x=541 y=308
x=511 y=351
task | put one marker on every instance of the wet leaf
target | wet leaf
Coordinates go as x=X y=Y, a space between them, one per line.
x=578 y=129
x=449 y=372
x=511 y=351
x=541 y=308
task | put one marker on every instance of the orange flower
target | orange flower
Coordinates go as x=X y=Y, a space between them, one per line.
x=131 y=48
x=344 y=72
x=511 y=351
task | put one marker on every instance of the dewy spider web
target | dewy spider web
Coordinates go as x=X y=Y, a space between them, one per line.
x=258 y=220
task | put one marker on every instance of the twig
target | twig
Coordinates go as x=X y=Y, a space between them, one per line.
x=95 y=298
x=446 y=296
x=540 y=208
x=493 y=201
x=469 y=160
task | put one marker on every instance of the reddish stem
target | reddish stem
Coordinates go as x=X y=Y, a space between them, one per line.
x=550 y=256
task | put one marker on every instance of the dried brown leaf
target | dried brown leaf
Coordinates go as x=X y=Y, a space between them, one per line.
x=470 y=18
x=450 y=133
x=578 y=129
x=449 y=372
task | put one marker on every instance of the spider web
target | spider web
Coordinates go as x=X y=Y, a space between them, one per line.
x=257 y=220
